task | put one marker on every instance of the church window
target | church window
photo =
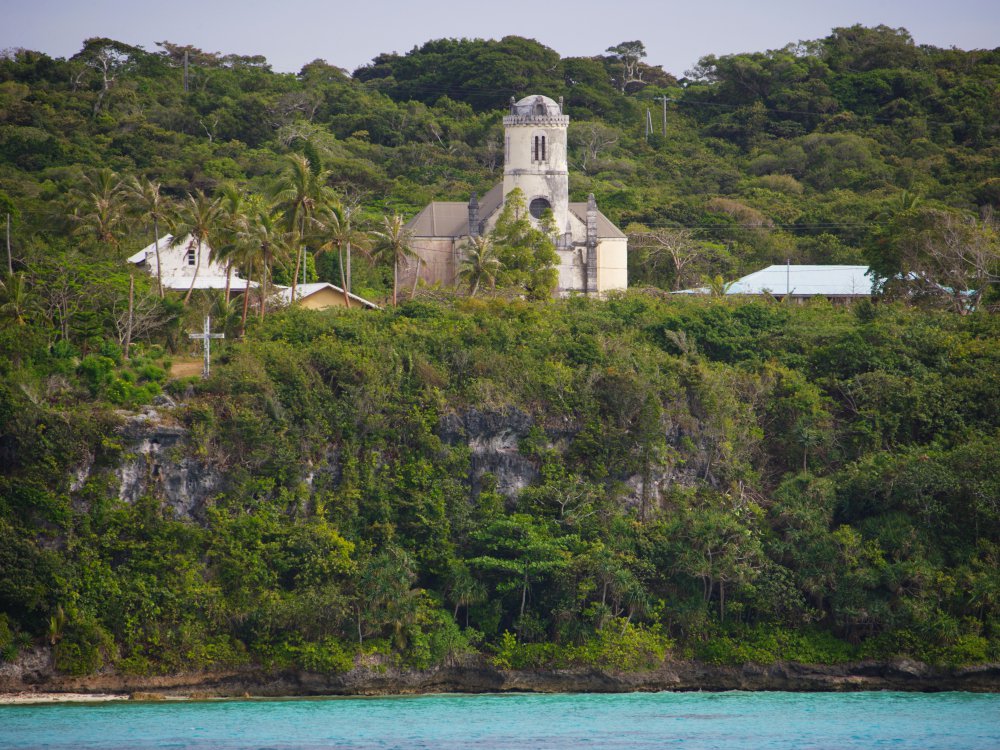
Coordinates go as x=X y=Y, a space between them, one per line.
x=538 y=151
x=538 y=206
x=189 y=258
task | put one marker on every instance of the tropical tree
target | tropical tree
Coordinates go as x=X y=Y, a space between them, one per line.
x=527 y=253
x=16 y=302
x=98 y=208
x=297 y=194
x=199 y=219
x=147 y=199
x=334 y=223
x=267 y=234
x=233 y=221
x=392 y=245
x=480 y=264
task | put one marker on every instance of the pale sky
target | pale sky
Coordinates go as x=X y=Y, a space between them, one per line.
x=291 y=33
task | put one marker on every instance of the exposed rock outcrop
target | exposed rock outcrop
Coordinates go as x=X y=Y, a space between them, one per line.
x=34 y=672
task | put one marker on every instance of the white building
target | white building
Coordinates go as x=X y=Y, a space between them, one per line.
x=801 y=282
x=186 y=261
x=592 y=251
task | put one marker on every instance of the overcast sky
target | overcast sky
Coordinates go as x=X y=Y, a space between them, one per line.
x=291 y=33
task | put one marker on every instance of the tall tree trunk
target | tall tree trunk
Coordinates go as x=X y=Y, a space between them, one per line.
x=416 y=278
x=131 y=312
x=395 y=280
x=343 y=279
x=197 y=265
x=295 y=274
x=348 y=287
x=156 y=247
x=229 y=278
x=246 y=303
x=264 y=279
x=524 y=593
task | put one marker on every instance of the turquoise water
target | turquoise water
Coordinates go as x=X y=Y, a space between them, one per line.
x=742 y=721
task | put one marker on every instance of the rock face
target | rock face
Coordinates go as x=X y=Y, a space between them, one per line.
x=158 y=461
x=33 y=672
x=493 y=438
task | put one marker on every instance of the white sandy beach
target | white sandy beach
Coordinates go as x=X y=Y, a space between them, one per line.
x=30 y=697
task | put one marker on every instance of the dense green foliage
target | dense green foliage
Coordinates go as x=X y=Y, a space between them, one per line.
x=824 y=490
x=728 y=481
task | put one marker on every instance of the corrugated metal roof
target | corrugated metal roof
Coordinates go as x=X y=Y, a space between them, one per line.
x=806 y=281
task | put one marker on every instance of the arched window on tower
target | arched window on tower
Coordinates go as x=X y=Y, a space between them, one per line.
x=534 y=155
x=543 y=148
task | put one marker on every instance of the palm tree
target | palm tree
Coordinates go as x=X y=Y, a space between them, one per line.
x=392 y=245
x=297 y=194
x=16 y=301
x=717 y=286
x=146 y=196
x=266 y=233
x=233 y=215
x=99 y=208
x=480 y=264
x=334 y=223
x=199 y=217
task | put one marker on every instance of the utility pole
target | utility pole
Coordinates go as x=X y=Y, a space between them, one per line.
x=649 y=123
x=665 y=100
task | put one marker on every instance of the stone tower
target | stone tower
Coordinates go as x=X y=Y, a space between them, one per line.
x=535 y=157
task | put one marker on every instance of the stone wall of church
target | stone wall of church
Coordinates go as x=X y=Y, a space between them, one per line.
x=440 y=264
x=612 y=268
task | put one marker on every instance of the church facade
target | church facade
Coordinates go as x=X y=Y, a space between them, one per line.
x=592 y=251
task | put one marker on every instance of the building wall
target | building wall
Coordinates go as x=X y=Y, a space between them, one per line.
x=440 y=262
x=323 y=299
x=612 y=264
x=174 y=261
x=548 y=179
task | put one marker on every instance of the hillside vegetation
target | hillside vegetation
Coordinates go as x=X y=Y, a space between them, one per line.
x=550 y=483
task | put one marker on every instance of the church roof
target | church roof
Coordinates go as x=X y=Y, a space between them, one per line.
x=451 y=218
x=605 y=229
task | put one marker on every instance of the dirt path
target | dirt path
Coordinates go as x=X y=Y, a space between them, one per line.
x=186 y=367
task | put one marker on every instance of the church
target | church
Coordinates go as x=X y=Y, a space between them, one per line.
x=592 y=251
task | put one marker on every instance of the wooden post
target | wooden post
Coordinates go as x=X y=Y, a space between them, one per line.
x=131 y=309
x=10 y=263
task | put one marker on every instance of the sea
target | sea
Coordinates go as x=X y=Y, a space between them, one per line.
x=719 y=721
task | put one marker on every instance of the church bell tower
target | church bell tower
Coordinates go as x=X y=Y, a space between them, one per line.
x=535 y=157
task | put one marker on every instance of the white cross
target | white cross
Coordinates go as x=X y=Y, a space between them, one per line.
x=206 y=338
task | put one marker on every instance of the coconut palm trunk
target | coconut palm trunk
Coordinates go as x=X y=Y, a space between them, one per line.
x=197 y=265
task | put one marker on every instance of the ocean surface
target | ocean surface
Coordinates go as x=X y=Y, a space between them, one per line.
x=742 y=721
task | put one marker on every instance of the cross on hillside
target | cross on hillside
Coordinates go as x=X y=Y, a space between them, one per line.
x=206 y=339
